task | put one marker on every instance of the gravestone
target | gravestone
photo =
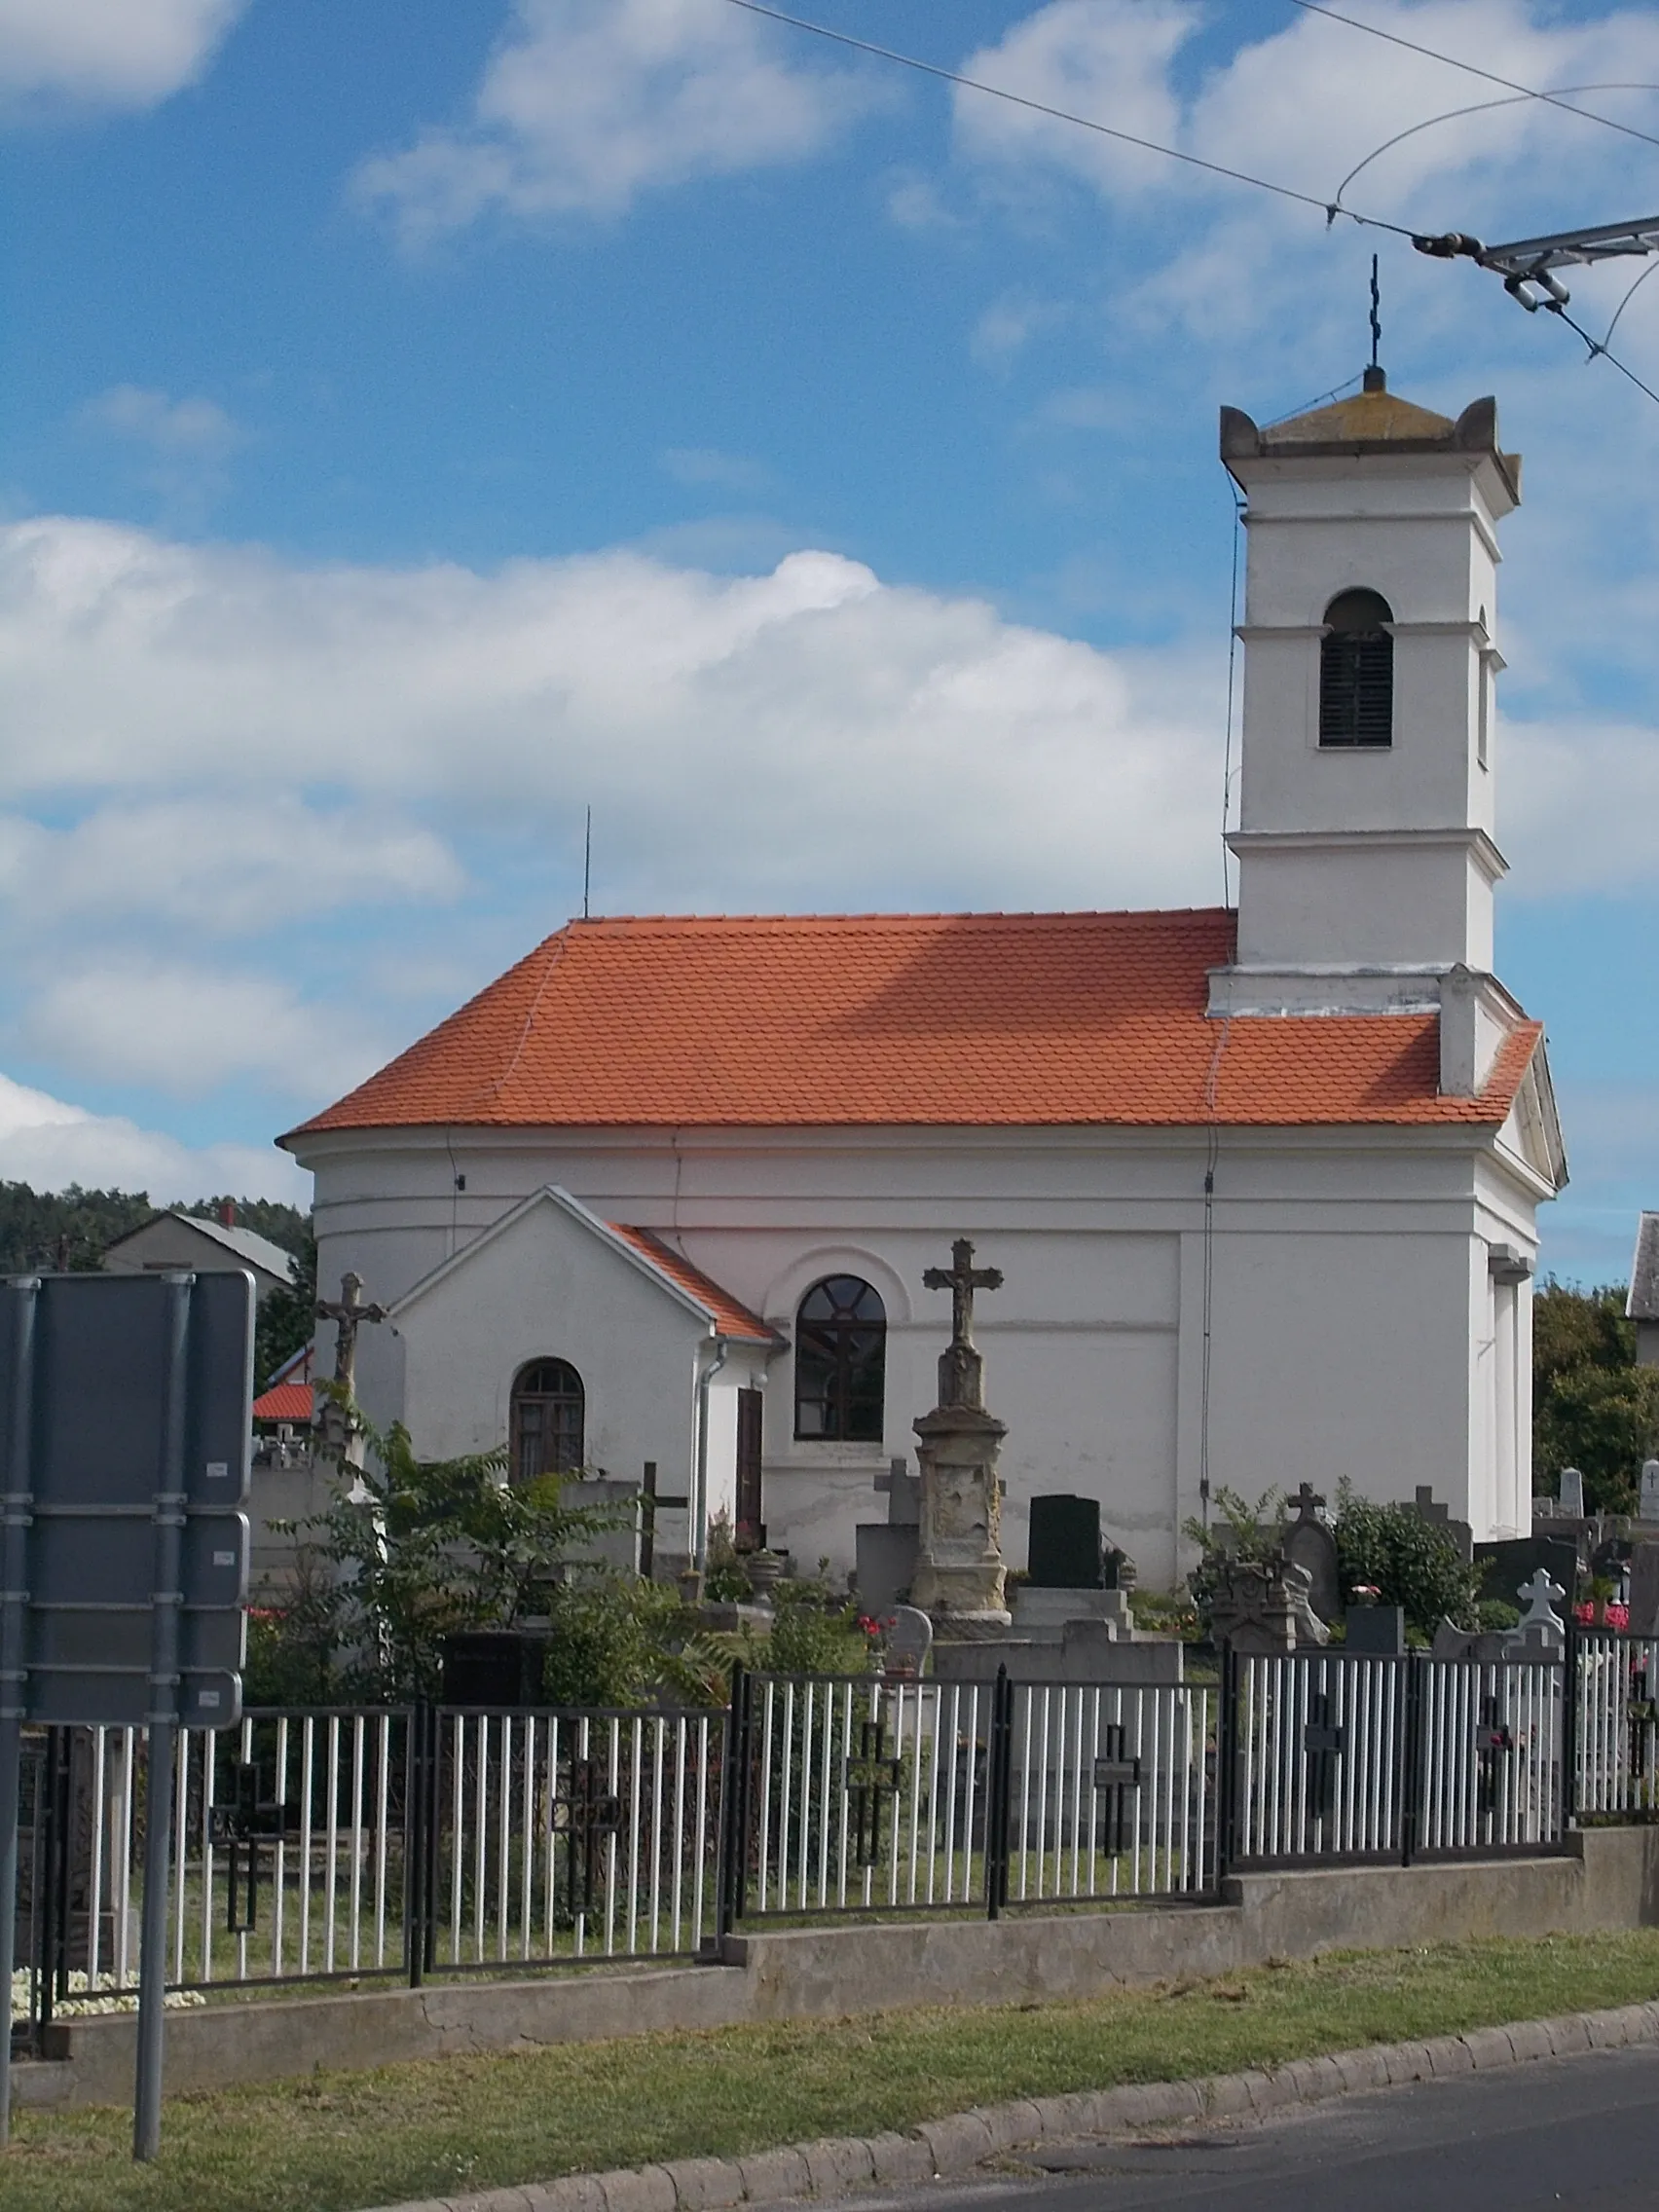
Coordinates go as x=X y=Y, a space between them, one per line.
x=1065 y=1547
x=908 y=1642
x=1647 y=1507
x=1490 y=1647
x=1503 y=1567
x=885 y=1551
x=1310 y=1544
x=1377 y=1631
x=1253 y=1610
x=1426 y=1508
x=1571 y=1493
x=1542 y=1629
x=1644 y=1589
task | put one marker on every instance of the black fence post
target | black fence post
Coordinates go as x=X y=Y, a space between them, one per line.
x=999 y=1795
x=732 y=1883
x=417 y=1840
x=1225 y=1764
x=52 y=1923
x=1571 y=1676
x=1411 y=1741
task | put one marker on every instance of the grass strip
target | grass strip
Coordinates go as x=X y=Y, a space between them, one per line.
x=337 y=2142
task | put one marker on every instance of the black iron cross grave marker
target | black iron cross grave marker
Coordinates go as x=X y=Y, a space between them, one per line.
x=1492 y=1744
x=584 y=1814
x=1117 y=1777
x=1642 y=1715
x=869 y=1776
x=1322 y=1742
x=246 y=1823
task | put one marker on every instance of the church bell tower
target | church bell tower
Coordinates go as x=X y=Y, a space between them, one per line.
x=1365 y=837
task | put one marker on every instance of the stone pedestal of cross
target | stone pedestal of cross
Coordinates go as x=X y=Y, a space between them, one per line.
x=959 y=1563
x=337 y=1431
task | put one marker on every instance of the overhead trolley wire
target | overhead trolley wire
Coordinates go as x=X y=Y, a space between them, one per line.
x=1064 y=115
x=1329 y=208
x=1474 y=69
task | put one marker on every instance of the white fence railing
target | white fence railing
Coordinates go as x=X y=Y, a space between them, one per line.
x=1617 y=1726
x=1339 y=1757
x=1113 y=1791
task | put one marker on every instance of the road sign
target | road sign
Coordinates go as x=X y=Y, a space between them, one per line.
x=126 y=1425
x=86 y=1385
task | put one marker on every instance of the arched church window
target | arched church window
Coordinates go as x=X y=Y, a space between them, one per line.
x=1356 y=672
x=548 y=1413
x=841 y=1361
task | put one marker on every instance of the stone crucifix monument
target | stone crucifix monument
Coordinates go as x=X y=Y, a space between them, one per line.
x=959 y=1561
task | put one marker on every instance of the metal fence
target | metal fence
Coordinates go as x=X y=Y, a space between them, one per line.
x=1616 y=1725
x=1111 y=1791
x=355 y=1844
x=1335 y=1757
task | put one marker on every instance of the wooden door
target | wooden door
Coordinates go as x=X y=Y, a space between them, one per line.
x=750 y=1530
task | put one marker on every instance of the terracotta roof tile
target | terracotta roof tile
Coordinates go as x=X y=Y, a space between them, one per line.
x=934 y=1019
x=285 y=1401
x=729 y=1317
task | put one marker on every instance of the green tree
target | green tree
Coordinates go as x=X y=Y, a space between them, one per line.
x=1593 y=1407
x=1408 y=1561
x=287 y=1315
x=427 y=1548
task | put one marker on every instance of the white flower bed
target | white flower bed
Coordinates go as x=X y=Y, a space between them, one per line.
x=87 y=1999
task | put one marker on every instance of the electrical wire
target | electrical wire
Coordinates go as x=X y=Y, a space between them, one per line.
x=1480 y=107
x=1474 y=69
x=1600 y=351
x=1063 y=115
x=1625 y=302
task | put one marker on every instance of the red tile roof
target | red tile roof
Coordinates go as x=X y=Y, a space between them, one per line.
x=930 y=1020
x=729 y=1317
x=285 y=1401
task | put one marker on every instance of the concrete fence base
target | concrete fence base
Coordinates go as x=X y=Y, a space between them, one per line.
x=1608 y=1880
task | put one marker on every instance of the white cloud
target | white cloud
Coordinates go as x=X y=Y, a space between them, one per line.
x=193 y=428
x=186 y=1030
x=1304 y=105
x=807 y=736
x=228 y=864
x=113 y=53
x=51 y=1144
x=703 y=467
x=1578 y=804
x=587 y=103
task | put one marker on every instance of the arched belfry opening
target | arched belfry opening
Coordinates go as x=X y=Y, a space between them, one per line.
x=1356 y=672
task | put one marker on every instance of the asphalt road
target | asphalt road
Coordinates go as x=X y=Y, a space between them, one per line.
x=1581 y=2133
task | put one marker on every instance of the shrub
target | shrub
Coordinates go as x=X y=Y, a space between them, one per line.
x=1409 y=1561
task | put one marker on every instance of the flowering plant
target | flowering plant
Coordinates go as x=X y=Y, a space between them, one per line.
x=1595 y=1613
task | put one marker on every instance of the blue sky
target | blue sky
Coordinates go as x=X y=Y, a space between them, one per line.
x=422 y=422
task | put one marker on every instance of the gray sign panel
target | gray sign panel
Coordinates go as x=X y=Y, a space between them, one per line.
x=121 y=1416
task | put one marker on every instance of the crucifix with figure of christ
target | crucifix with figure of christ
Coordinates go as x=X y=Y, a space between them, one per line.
x=961 y=1371
x=959 y=1561
x=347 y=1312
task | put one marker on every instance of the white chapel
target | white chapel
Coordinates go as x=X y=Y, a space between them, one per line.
x=1263 y=1184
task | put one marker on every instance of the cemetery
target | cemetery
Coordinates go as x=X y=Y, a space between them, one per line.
x=953 y=1781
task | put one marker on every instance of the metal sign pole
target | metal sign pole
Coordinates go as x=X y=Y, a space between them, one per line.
x=164 y=1659
x=14 y=1599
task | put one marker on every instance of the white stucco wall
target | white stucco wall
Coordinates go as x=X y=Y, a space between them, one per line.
x=1350 y=1302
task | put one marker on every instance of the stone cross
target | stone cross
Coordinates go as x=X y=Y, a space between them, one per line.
x=961 y=1372
x=1307 y=1504
x=347 y=1312
x=1540 y=1624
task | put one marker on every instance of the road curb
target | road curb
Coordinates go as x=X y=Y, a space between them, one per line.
x=939 y=2149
